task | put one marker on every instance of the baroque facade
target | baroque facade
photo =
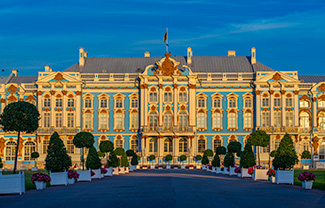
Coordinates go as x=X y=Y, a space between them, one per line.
x=168 y=105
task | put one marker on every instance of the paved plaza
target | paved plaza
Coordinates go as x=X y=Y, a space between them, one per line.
x=169 y=188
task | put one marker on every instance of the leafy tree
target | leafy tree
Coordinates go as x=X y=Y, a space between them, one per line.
x=285 y=156
x=259 y=138
x=134 y=160
x=19 y=117
x=34 y=156
x=1 y=164
x=124 y=160
x=216 y=161
x=138 y=157
x=113 y=161
x=272 y=154
x=130 y=153
x=93 y=161
x=119 y=151
x=168 y=158
x=182 y=158
x=221 y=150
x=205 y=160
x=57 y=158
x=198 y=157
x=106 y=147
x=152 y=158
x=101 y=154
x=234 y=147
x=247 y=158
x=83 y=140
x=229 y=160
x=208 y=153
x=305 y=155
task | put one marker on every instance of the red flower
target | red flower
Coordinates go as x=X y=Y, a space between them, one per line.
x=92 y=173
x=103 y=170
x=307 y=176
x=250 y=170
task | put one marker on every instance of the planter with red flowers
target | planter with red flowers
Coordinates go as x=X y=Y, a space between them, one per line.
x=271 y=174
x=40 y=180
x=232 y=171
x=247 y=172
x=222 y=169
x=238 y=171
x=84 y=175
x=190 y=167
x=160 y=167
x=98 y=174
x=218 y=170
x=175 y=166
x=307 y=179
x=116 y=171
x=103 y=171
x=126 y=169
x=259 y=174
x=144 y=167
x=121 y=170
x=226 y=170
x=72 y=176
x=109 y=171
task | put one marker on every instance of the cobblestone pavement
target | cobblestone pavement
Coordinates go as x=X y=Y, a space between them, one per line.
x=169 y=188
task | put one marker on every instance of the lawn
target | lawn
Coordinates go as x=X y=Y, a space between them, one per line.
x=28 y=183
x=319 y=183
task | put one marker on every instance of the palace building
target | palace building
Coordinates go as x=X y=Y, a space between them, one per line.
x=168 y=105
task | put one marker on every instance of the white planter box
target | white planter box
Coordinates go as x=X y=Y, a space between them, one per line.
x=12 y=184
x=126 y=169
x=160 y=168
x=71 y=181
x=116 y=171
x=272 y=178
x=40 y=185
x=191 y=168
x=144 y=168
x=121 y=170
x=232 y=171
x=109 y=172
x=175 y=168
x=183 y=167
x=239 y=175
x=198 y=167
x=167 y=166
x=218 y=170
x=260 y=174
x=214 y=170
x=59 y=178
x=284 y=176
x=132 y=168
x=84 y=175
x=34 y=169
x=97 y=175
x=152 y=167
x=208 y=169
x=204 y=167
x=244 y=173
x=137 y=167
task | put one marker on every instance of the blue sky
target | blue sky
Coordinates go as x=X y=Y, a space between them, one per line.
x=288 y=35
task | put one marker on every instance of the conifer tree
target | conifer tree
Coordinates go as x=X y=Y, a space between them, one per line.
x=247 y=158
x=113 y=161
x=216 y=161
x=124 y=160
x=285 y=156
x=229 y=160
x=134 y=160
x=93 y=161
x=205 y=160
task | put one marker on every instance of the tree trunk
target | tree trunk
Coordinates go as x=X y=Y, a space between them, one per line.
x=258 y=154
x=16 y=158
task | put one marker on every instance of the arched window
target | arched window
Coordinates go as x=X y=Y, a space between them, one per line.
x=103 y=121
x=321 y=103
x=289 y=118
x=153 y=145
x=304 y=120
x=321 y=120
x=304 y=146
x=58 y=120
x=153 y=119
x=201 y=145
x=134 y=145
x=168 y=145
x=216 y=143
x=277 y=119
x=232 y=121
x=265 y=119
x=134 y=121
x=248 y=121
x=217 y=120
x=119 y=121
x=29 y=149
x=10 y=150
x=183 y=119
x=119 y=143
x=201 y=120
x=168 y=121
x=88 y=121
x=183 y=145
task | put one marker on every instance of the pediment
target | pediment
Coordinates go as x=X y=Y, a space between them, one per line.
x=277 y=76
x=58 y=77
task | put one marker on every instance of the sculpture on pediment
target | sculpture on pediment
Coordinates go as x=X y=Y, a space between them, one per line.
x=167 y=68
x=276 y=76
x=58 y=77
x=12 y=89
x=322 y=87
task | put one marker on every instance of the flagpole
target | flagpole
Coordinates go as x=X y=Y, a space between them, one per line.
x=167 y=40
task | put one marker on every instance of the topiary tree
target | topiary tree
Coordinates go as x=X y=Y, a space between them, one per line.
x=168 y=158
x=106 y=147
x=19 y=117
x=229 y=160
x=198 y=157
x=1 y=164
x=285 y=156
x=57 y=158
x=93 y=161
x=208 y=153
x=130 y=153
x=182 y=158
x=83 y=140
x=305 y=155
x=152 y=158
x=234 y=147
x=259 y=138
x=216 y=161
x=124 y=161
x=247 y=158
x=134 y=160
x=113 y=161
x=205 y=160
x=101 y=154
x=34 y=156
x=119 y=151
x=221 y=150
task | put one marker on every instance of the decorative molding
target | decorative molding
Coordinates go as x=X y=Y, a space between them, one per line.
x=192 y=86
x=271 y=92
x=78 y=92
x=39 y=92
x=322 y=87
x=257 y=92
x=276 y=77
x=175 y=86
x=58 y=77
x=12 y=89
x=64 y=92
x=52 y=92
x=160 y=86
x=315 y=145
x=314 y=99
x=167 y=68
x=143 y=86
x=296 y=92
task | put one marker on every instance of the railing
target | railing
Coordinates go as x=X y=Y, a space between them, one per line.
x=279 y=129
x=168 y=129
x=59 y=130
x=104 y=77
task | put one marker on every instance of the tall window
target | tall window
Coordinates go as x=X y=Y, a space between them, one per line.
x=304 y=104
x=266 y=149
x=201 y=120
x=217 y=120
x=118 y=143
x=168 y=145
x=153 y=145
x=70 y=120
x=134 y=145
x=45 y=146
x=134 y=121
x=103 y=121
x=217 y=103
x=216 y=143
x=168 y=97
x=277 y=143
x=289 y=119
x=183 y=145
x=119 y=121
x=321 y=103
x=10 y=150
x=248 y=103
x=305 y=146
x=47 y=102
x=88 y=121
x=201 y=103
x=58 y=120
x=277 y=119
x=304 y=120
x=289 y=102
x=265 y=119
x=201 y=145
x=71 y=102
x=70 y=146
x=183 y=119
x=232 y=103
x=321 y=120
x=248 y=121
x=232 y=121
x=118 y=103
x=134 y=103
x=103 y=103
x=183 y=97
x=168 y=121
x=58 y=102
x=153 y=97
x=277 y=102
x=322 y=152
x=265 y=102
x=29 y=149
x=88 y=103
x=153 y=120
x=47 y=120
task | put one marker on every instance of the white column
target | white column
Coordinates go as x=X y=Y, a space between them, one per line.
x=64 y=117
x=283 y=104
x=175 y=103
x=52 y=110
x=296 y=110
x=258 y=108
x=78 y=109
x=145 y=105
x=39 y=106
x=192 y=101
x=160 y=105
x=142 y=106
x=314 y=110
x=271 y=107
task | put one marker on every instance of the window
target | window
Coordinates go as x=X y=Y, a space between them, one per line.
x=277 y=102
x=118 y=143
x=321 y=104
x=201 y=103
x=29 y=149
x=47 y=102
x=11 y=150
x=265 y=149
x=217 y=120
x=134 y=121
x=201 y=120
x=321 y=120
x=304 y=120
x=134 y=145
x=153 y=120
x=289 y=119
x=70 y=146
x=45 y=146
x=248 y=121
x=88 y=121
x=153 y=97
x=289 y=102
x=183 y=145
x=168 y=97
x=58 y=120
x=134 y=103
x=152 y=145
x=47 y=120
x=183 y=97
x=168 y=121
x=322 y=151
x=119 y=121
x=265 y=119
x=71 y=102
x=232 y=121
x=304 y=104
x=232 y=103
x=118 y=103
x=58 y=102
x=103 y=121
x=217 y=103
x=183 y=119
x=103 y=103
x=201 y=145
x=277 y=119
x=70 y=120
x=88 y=103
x=305 y=146
x=248 y=103
x=216 y=143
x=277 y=144
x=265 y=102
x=168 y=145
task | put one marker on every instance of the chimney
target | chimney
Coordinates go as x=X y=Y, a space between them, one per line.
x=82 y=55
x=15 y=72
x=253 y=55
x=147 y=54
x=189 y=55
x=231 y=53
x=48 y=68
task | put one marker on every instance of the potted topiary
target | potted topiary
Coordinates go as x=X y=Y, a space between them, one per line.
x=57 y=161
x=205 y=163
x=182 y=158
x=208 y=153
x=284 y=159
x=152 y=158
x=215 y=163
x=305 y=159
x=34 y=156
x=120 y=152
x=83 y=140
x=229 y=161
x=113 y=162
x=247 y=160
x=198 y=159
x=168 y=159
x=107 y=147
x=125 y=163
x=238 y=171
x=93 y=162
x=40 y=180
x=233 y=147
x=134 y=162
x=219 y=151
x=307 y=179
